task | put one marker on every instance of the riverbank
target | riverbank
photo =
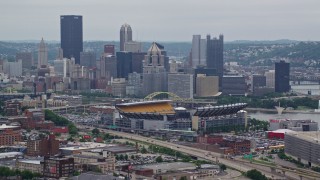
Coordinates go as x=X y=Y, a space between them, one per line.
x=274 y=111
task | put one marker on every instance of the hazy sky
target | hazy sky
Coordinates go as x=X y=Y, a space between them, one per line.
x=164 y=20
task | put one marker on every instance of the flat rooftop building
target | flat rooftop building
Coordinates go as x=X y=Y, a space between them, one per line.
x=304 y=146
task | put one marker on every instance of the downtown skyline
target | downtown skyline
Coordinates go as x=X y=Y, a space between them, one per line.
x=243 y=20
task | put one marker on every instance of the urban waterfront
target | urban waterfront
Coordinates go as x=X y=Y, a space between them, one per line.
x=306 y=87
x=267 y=116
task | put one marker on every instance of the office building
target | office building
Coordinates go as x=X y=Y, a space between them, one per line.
x=42 y=54
x=119 y=87
x=133 y=46
x=303 y=146
x=9 y=135
x=108 y=67
x=124 y=64
x=207 y=85
x=125 y=35
x=64 y=67
x=57 y=167
x=13 y=69
x=258 y=81
x=48 y=146
x=199 y=51
x=137 y=61
x=26 y=58
x=215 y=54
x=134 y=84
x=154 y=72
x=234 y=85
x=88 y=59
x=181 y=85
x=71 y=36
x=32 y=165
x=282 y=77
x=270 y=79
x=109 y=50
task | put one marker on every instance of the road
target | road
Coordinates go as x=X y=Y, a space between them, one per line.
x=291 y=173
x=215 y=157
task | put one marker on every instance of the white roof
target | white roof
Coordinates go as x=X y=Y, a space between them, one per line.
x=4 y=126
x=282 y=131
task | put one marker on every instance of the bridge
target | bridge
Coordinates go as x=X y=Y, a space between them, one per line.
x=176 y=99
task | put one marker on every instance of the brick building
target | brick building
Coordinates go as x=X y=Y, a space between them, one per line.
x=58 y=167
x=239 y=146
x=12 y=107
x=9 y=135
x=44 y=147
x=209 y=139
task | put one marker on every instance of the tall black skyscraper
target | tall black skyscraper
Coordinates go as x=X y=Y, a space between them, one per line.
x=282 y=77
x=124 y=64
x=215 y=54
x=71 y=36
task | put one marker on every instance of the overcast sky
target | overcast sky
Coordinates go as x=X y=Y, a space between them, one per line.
x=164 y=20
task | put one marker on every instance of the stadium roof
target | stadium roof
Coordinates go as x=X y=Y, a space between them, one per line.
x=146 y=109
x=143 y=103
x=219 y=110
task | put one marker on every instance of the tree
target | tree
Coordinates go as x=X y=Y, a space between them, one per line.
x=126 y=157
x=183 y=178
x=256 y=175
x=223 y=167
x=121 y=157
x=132 y=157
x=159 y=159
x=143 y=150
x=96 y=131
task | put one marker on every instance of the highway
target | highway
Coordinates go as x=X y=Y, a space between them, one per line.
x=238 y=164
x=215 y=157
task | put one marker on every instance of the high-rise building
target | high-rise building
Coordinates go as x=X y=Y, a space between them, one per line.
x=26 y=58
x=215 y=54
x=13 y=68
x=181 y=85
x=137 y=61
x=125 y=35
x=71 y=36
x=207 y=85
x=154 y=72
x=109 y=49
x=270 y=79
x=63 y=67
x=124 y=64
x=134 y=84
x=42 y=54
x=258 y=81
x=282 y=77
x=88 y=59
x=199 y=51
x=133 y=46
x=234 y=85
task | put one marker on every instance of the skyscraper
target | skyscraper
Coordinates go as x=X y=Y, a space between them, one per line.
x=26 y=58
x=282 y=77
x=71 y=36
x=125 y=35
x=198 y=51
x=42 y=54
x=88 y=59
x=215 y=54
x=124 y=64
x=154 y=72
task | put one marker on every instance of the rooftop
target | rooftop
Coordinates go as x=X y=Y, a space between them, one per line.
x=4 y=126
x=169 y=166
x=311 y=136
